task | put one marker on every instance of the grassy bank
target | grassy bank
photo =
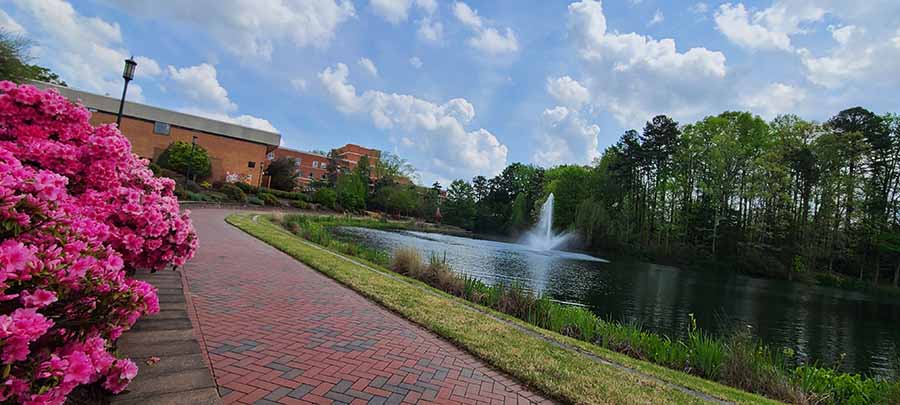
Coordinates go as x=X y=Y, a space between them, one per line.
x=739 y=361
x=556 y=371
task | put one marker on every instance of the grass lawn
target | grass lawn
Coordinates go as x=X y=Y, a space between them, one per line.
x=530 y=354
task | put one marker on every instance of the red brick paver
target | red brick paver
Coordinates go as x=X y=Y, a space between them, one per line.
x=276 y=331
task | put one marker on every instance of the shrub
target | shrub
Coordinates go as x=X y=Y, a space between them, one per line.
x=303 y=205
x=246 y=188
x=233 y=192
x=269 y=199
x=77 y=209
x=292 y=195
x=830 y=386
x=183 y=157
x=178 y=177
x=326 y=197
x=283 y=173
x=351 y=192
x=252 y=199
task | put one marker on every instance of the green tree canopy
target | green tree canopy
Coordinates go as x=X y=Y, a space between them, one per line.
x=14 y=58
x=180 y=156
x=283 y=173
x=459 y=209
x=351 y=192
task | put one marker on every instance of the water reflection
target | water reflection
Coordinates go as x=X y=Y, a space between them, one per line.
x=818 y=323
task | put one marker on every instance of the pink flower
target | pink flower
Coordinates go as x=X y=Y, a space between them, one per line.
x=120 y=375
x=80 y=368
x=13 y=256
x=40 y=298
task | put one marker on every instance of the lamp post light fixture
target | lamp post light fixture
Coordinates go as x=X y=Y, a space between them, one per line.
x=190 y=164
x=128 y=75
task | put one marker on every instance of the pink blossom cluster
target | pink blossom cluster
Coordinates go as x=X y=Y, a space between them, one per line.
x=77 y=209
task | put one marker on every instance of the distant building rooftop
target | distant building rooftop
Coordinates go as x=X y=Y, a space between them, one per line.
x=301 y=151
x=142 y=111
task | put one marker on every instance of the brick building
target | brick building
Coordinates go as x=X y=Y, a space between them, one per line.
x=314 y=166
x=311 y=166
x=350 y=154
x=232 y=148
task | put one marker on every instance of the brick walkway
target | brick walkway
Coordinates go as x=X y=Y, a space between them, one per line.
x=276 y=331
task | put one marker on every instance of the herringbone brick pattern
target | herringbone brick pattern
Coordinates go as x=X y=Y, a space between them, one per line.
x=279 y=332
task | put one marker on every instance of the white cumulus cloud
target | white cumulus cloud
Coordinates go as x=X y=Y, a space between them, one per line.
x=200 y=84
x=243 y=120
x=487 y=39
x=568 y=91
x=565 y=137
x=774 y=99
x=429 y=30
x=735 y=23
x=415 y=62
x=436 y=132
x=250 y=28
x=658 y=17
x=635 y=76
x=299 y=84
x=368 y=66
x=397 y=11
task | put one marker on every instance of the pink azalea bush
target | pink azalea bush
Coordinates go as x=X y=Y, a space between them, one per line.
x=77 y=209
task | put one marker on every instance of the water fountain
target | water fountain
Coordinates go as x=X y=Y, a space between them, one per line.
x=541 y=237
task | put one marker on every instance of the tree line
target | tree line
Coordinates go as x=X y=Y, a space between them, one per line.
x=788 y=198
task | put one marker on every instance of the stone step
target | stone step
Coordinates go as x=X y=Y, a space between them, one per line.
x=137 y=338
x=173 y=314
x=162 y=324
x=203 y=396
x=171 y=365
x=168 y=285
x=154 y=386
x=158 y=276
x=172 y=306
x=162 y=350
x=171 y=298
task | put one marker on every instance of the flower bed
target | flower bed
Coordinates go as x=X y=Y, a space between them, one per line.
x=77 y=209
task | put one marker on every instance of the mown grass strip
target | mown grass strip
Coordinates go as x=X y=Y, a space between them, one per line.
x=554 y=370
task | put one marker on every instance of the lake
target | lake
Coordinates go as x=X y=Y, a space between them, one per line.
x=857 y=330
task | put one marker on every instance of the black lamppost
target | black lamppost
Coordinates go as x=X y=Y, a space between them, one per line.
x=191 y=158
x=128 y=75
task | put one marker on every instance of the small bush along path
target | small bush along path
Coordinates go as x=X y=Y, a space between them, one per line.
x=277 y=331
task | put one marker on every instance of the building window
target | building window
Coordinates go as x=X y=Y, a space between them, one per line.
x=324 y=165
x=270 y=156
x=251 y=164
x=310 y=175
x=323 y=177
x=315 y=164
x=297 y=162
x=161 y=128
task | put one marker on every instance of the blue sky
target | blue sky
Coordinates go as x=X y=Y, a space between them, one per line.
x=464 y=88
